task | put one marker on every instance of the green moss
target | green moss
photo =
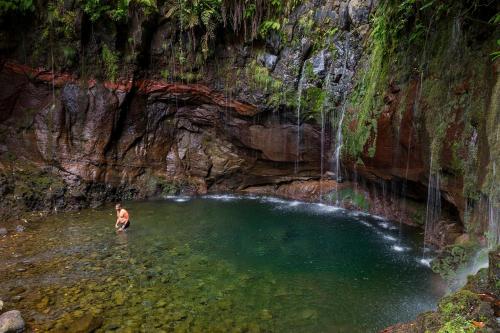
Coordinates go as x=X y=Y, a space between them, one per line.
x=458 y=325
x=190 y=77
x=458 y=305
x=309 y=70
x=454 y=259
x=169 y=187
x=312 y=102
x=418 y=216
x=110 y=60
x=367 y=98
x=260 y=79
x=349 y=197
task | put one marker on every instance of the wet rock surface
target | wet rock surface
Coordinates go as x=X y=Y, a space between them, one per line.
x=94 y=148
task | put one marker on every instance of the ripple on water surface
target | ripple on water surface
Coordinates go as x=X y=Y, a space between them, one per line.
x=219 y=263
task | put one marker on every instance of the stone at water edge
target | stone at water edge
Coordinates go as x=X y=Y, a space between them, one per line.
x=11 y=322
x=3 y=231
x=1 y=305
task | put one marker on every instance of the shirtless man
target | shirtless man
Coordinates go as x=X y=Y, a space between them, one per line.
x=122 y=219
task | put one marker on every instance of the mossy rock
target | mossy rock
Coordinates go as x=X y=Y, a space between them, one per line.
x=453 y=259
x=460 y=304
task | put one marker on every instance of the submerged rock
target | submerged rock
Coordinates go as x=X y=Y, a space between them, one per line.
x=119 y=297
x=11 y=321
x=3 y=231
x=85 y=324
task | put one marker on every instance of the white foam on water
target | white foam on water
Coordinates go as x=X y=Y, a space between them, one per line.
x=380 y=218
x=326 y=208
x=425 y=261
x=181 y=199
x=295 y=203
x=390 y=238
x=223 y=197
x=398 y=248
x=365 y=223
x=273 y=200
x=357 y=213
x=384 y=225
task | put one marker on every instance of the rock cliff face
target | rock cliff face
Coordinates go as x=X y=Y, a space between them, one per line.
x=71 y=138
x=144 y=138
x=95 y=110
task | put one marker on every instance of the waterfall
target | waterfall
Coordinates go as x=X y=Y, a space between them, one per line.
x=326 y=87
x=338 y=141
x=299 y=101
x=493 y=233
x=322 y=154
x=433 y=210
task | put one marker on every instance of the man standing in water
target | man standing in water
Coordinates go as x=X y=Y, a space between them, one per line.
x=122 y=219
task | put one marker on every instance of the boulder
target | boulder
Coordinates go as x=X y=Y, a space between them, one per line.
x=318 y=63
x=268 y=60
x=359 y=11
x=3 y=231
x=11 y=321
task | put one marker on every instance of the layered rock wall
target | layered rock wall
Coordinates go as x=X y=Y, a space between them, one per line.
x=94 y=109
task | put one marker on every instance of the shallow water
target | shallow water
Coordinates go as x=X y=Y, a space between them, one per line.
x=217 y=264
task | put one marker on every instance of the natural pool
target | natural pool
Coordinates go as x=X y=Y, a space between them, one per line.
x=217 y=264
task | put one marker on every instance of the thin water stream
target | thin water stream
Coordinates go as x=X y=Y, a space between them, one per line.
x=217 y=264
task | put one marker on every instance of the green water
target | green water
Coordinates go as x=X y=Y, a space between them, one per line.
x=207 y=265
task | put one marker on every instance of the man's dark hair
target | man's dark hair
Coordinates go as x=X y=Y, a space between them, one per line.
x=118 y=206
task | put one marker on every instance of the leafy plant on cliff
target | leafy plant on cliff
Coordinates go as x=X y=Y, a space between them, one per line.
x=16 y=6
x=117 y=10
x=110 y=60
x=495 y=20
x=199 y=19
x=269 y=25
x=19 y=6
x=195 y=15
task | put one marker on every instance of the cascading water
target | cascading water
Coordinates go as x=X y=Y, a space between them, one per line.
x=433 y=210
x=493 y=216
x=415 y=113
x=299 y=101
x=322 y=154
x=338 y=141
x=326 y=87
